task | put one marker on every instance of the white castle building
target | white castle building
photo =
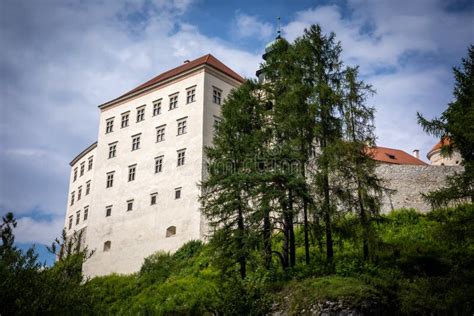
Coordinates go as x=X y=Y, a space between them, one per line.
x=135 y=191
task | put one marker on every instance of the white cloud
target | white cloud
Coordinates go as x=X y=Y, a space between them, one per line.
x=29 y=230
x=393 y=42
x=249 y=26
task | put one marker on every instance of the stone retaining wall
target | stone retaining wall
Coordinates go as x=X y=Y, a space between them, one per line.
x=409 y=181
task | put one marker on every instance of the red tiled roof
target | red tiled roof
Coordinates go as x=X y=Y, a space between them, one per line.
x=445 y=141
x=204 y=60
x=394 y=156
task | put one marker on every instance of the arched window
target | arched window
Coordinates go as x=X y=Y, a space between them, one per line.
x=171 y=231
x=107 y=245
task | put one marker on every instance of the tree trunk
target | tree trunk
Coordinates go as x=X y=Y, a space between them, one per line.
x=363 y=220
x=242 y=258
x=327 y=218
x=306 y=238
x=267 y=242
x=291 y=230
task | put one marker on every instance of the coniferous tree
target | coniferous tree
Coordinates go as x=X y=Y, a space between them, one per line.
x=456 y=128
x=320 y=58
x=226 y=197
x=356 y=161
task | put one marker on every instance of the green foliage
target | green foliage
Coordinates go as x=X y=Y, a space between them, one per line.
x=456 y=124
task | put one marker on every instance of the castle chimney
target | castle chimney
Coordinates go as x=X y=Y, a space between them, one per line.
x=416 y=153
x=186 y=61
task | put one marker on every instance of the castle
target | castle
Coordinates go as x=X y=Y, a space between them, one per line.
x=135 y=191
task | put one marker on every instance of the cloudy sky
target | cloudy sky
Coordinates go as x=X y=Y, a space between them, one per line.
x=60 y=59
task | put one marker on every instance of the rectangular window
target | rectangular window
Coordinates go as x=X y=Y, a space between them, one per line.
x=88 y=187
x=109 y=125
x=83 y=168
x=153 y=198
x=79 y=193
x=129 y=205
x=157 y=107
x=108 y=211
x=131 y=172
x=217 y=122
x=181 y=154
x=159 y=164
x=89 y=165
x=125 y=117
x=140 y=114
x=190 y=95
x=160 y=133
x=112 y=150
x=110 y=180
x=72 y=198
x=70 y=222
x=136 y=142
x=78 y=217
x=177 y=193
x=86 y=212
x=182 y=126
x=75 y=174
x=173 y=101
x=216 y=95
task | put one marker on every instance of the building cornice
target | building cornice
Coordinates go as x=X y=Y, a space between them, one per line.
x=83 y=153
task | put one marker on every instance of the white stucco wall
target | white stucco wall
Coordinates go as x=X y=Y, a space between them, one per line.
x=136 y=234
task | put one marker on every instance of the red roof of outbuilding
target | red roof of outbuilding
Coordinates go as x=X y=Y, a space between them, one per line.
x=445 y=141
x=394 y=156
x=204 y=60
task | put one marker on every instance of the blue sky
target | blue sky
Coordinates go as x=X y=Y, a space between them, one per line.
x=60 y=59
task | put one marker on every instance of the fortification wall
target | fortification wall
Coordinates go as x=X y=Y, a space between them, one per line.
x=408 y=182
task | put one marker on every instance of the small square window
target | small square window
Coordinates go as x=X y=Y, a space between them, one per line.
x=89 y=166
x=108 y=211
x=88 y=187
x=153 y=198
x=190 y=95
x=110 y=180
x=140 y=114
x=125 y=118
x=129 y=205
x=181 y=156
x=109 y=125
x=157 y=107
x=75 y=174
x=177 y=193
x=112 y=150
x=79 y=192
x=173 y=101
x=217 y=95
x=86 y=212
x=160 y=133
x=83 y=167
x=70 y=222
x=135 y=142
x=78 y=217
x=72 y=198
x=159 y=164
x=131 y=172
x=181 y=126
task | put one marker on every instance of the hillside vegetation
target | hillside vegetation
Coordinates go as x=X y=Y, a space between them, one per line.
x=424 y=267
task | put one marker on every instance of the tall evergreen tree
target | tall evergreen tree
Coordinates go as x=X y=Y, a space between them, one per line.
x=320 y=59
x=456 y=128
x=226 y=197
x=356 y=162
